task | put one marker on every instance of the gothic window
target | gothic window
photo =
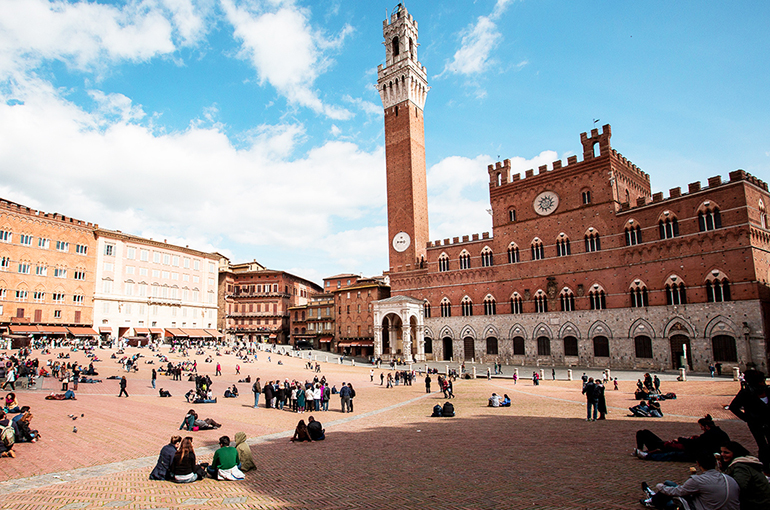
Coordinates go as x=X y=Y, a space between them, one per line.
x=490 y=307
x=426 y=307
x=563 y=246
x=443 y=262
x=513 y=253
x=395 y=46
x=643 y=346
x=633 y=234
x=541 y=302
x=709 y=217
x=601 y=347
x=467 y=307
x=518 y=346
x=592 y=240
x=762 y=214
x=516 y=303
x=537 y=249
x=570 y=346
x=668 y=227
x=567 y=300
x=639 y=295
x=675 y=291
x=511 y=215
x=597 y=297
x=543 y=346
x=717 y=287
x=492 y=345
x=465 y=260
x=486 y=257
x=586 y=197
x=446 y=308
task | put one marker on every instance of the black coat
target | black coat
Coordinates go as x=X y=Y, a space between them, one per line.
x=162 y=469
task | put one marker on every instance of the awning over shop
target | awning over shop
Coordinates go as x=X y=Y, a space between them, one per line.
x=326 y=339
x=214 y=333
x=105 y=330
x=343 y=344
x=56 y=330
x=196 y=333
x=142 y=331
x=156 y=331
x=273 y=335
x=363 y=343
x=174 y=332
x=82 y=331
x=22 y=330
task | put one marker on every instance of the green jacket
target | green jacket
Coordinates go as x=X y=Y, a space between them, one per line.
x=225 y=458
x=244 y=452
x=755 y=489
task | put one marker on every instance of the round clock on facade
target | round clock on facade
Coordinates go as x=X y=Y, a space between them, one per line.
x=546 y=203
x=401 y=241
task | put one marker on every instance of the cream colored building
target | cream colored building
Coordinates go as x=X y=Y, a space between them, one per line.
x=146 y=287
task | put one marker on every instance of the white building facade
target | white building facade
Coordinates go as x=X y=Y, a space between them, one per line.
x=153 y=289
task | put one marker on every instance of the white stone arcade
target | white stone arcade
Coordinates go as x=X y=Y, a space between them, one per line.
x=399 y=329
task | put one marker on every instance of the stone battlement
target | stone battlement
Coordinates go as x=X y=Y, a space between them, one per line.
x=28 y=211
x=456 y=240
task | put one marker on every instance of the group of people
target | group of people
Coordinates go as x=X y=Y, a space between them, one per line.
x=300 y=397
x=496 y=401
x=15 y=429
x=177 y=461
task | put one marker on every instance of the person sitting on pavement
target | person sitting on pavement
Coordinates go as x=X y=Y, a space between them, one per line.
x=301 y=433
x=164 y=393
x=710 y=490
x=162 y=470
x=183 y=467
x=736 y=461
x=11 y=406
x=506 y=402
x=244 y=452
x=315 y=429
x=682 y=448
x=7 y=437
x=225 y=463
x=25 y=433
x=494 y=401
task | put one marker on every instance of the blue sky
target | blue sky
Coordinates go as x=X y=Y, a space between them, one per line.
x=253 y=127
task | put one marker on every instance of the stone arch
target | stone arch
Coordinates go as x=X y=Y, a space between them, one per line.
x=569 y=329
x=678 y=326
x=721 y=325
x=468 y=331
x=491 y=330
x=542 y=329
x=641 y=327
x=446 y=331
x=429 y=332
x=599 y=328
x=517 y=330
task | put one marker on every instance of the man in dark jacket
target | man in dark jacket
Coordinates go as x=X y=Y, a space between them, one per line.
x=751 y=405
x=592 y=399
x=315 y=429
x=268 y=391
x=345 y=397
x=162 y=469
x=256 y=388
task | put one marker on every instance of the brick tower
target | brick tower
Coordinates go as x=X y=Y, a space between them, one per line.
x=403 y=87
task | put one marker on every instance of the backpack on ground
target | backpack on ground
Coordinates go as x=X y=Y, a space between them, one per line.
x=8 y=435
x=448 y=410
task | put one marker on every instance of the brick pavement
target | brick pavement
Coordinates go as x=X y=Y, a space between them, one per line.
x=540 y=453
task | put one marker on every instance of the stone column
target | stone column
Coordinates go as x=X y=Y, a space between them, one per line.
x=377 y=341
x=406 y=342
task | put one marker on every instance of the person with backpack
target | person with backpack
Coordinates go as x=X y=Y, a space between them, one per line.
x=7 y=436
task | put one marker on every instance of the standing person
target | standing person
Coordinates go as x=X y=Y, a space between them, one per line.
x=489 y=374
x=515 y=377
x=553 y=374
x=371 y=375
x=656 y=383
x=10 y=378
x=751 y=405
x=352 y=396
x=268 y=391
x=712 y=370
x=427 y=383
x=584 y=378
x=123 y=383
x=382 y=377
x=317 y=394
x=154 y=376
x=237 y=369
x=162 y=469
x=592 y=399
x=602 y=402
x=616 y=384
x=344 y=397
x=256 y=389
x=219 y=372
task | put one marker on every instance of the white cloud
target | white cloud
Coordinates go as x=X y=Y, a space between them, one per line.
x=115 y=106
x=286 y=52
x=476 y=44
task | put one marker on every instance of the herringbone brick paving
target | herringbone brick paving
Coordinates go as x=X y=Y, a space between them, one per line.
x=540 y=453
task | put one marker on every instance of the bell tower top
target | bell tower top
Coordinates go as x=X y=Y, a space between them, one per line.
x=402 y=77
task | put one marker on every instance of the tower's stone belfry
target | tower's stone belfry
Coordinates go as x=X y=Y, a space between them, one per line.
x=403 y=86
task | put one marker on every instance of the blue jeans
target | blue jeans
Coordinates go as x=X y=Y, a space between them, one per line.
x=589 y=405
x=153 y=384
x=256 y=399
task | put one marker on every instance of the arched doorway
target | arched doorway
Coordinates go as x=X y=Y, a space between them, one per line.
x=392 y=335
x=447 y=344
x=677 y=351
x=724 y=348
x=468 y=345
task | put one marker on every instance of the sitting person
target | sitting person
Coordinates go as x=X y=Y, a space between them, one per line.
x=11 y=406
x=225 y=463
x=315 y=429
x=448 y=410
x=708 y=490
x=436 y=411
x=301 y=433
x=7 y=438
x=231 y=393
x=183 y=467
x=24 y=433
x=244 y=452
x=682 y=448
x=164 y=393
x=162 y=470
x=506 y=401
x=645 y=410
x=494 y=401
x=190 y=395
x=736 y=461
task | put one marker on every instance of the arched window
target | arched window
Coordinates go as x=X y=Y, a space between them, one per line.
x=717 y=287
x=586 y=197
x=541 y=302
x=537 y=249
x=516 y=303
x=597 y=297
x=638 y=292
x=668 y=226
x=492 y=346
x=443 y=262
x=592 y=240
x=709 y=217
x=467 y=306
x=518 y=346
x=562 y=246
x=543 y=346
x=675 y=291
x=486 y=257
x=511 y=215
x=490 y=307
x=513 y=253
x=428 y=345
x=762 y=214
x=465 y=260
x=567 y=300
x=426 y=307
x=570 y=346
x=643 y=347
x=633 y=233
x=601 y=347
x=396 y=48
x=446 y=308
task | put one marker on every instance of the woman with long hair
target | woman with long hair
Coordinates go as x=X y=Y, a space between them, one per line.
x=301 y=433
x=183 y=467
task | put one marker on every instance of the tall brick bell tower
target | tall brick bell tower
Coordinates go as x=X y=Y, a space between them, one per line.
x=403 y=87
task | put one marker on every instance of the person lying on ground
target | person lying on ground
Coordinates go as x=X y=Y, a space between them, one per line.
x=682 y=448
x=67 y=395
x=164 y=393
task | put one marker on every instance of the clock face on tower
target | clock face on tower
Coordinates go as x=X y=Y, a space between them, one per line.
x=546 y=203
x=401 y=241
